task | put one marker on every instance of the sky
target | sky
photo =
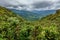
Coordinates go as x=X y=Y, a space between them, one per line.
x=31 y=4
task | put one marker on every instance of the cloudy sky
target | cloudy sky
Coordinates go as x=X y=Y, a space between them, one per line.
x=31 y=4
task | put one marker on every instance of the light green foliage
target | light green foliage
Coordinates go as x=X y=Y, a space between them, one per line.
x=14 y=27
x=49 y=33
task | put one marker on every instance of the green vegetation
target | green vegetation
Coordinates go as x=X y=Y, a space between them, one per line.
x=14 y=27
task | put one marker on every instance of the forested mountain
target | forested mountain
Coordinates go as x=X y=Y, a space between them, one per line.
x=33 y=15
x=15 y=27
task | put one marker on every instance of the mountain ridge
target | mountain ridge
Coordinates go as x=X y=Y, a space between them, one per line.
x=33 y=15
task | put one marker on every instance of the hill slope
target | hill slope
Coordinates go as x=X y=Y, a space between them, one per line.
x=14 y=27
x=9 y=23
x=51 y=19
x=7 y=14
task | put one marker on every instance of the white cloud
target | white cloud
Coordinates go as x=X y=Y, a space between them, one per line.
x=31 y=4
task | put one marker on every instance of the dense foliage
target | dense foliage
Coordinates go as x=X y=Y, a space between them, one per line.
x=14 y=27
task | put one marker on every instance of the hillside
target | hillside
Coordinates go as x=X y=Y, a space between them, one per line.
x=15 y=27
x=8 y=22
x=51 y=19
x=8 y=13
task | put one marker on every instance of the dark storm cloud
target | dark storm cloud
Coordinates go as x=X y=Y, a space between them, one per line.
x=32 y=4
x=42 y=4
x=58 y=1
x=57 y=7
x=15 y=6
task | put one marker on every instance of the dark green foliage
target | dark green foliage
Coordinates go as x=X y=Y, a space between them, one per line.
x=14 y=27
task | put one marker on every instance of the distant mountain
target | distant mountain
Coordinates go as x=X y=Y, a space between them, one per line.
x=45 y=12
x=33 y=15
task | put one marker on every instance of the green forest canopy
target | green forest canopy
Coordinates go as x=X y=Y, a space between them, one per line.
x=14 y=27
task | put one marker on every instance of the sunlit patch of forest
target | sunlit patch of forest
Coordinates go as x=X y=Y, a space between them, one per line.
x=14 y=27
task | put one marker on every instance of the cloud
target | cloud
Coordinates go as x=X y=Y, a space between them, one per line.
x=42 y=4
x=31 y=4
